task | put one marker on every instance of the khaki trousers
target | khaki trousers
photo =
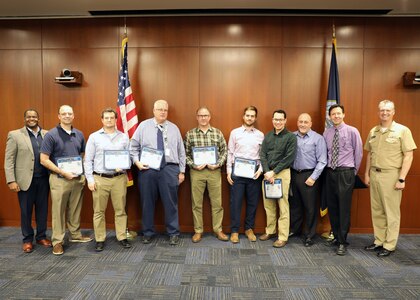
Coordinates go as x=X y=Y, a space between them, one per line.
x=213 y=180
x=270 y=206
x=115 y=187
x=66 y=198
x=385 y=207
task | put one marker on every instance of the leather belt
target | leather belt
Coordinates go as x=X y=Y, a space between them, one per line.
x=340 y=168
x=303 y=170
x=108 y=175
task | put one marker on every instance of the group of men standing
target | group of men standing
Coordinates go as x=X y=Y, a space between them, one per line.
x=293 y=161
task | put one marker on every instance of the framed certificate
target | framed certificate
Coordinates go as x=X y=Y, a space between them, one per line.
x=151 y=157
x=117 y=159
x=273 y=190
x=204 y=155
x=71 y=164
x=244 y=167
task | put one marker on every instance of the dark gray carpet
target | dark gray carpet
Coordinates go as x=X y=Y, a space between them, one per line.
x=210 y=269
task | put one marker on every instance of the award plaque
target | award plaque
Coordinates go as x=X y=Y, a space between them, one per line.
x=273 y=190
x=151 y=157
x=71 y=164
x=244 y=167
x=204 y=155
x=117 y=159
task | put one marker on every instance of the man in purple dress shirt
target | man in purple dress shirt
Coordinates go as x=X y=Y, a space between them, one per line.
x=345 y=153
x=311 y=159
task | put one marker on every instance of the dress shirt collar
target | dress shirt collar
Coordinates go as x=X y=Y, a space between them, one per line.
x=197 y=129
x=341 y=126
x=33 y=132
x=309 y=133
x=252 y=129
x=391 y=128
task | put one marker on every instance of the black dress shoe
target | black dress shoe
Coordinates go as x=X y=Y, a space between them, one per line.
x=292 y=234
x=99 y=246
x=146 y=239
x=384 y=252
x=308 y=242
x=331 y=243
x=341 y=250
x=125 y=243
x=373 y=247
x=174 y=240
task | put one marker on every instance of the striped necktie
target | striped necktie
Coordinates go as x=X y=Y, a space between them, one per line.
x=334 y=154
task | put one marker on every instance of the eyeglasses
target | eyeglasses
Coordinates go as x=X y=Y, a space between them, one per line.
x=203 y=116
x=279 y=120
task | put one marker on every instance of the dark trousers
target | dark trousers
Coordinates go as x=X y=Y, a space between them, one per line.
x=164 y=184
x=339 y=189
x=36 y=196
x=303 y=204
x=249 y=188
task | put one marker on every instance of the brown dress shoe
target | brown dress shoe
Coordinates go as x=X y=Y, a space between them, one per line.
x=44 y=242
x=279 y=244
x=27 y=247
x=58 y=249
x=266 y=236
x=221 y=236
x=196 y=237
x=234 y=237
x=250 y=235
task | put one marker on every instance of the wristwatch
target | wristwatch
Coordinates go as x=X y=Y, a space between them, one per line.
x=401 y=180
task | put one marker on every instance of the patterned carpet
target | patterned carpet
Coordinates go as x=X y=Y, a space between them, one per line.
x=210 y=269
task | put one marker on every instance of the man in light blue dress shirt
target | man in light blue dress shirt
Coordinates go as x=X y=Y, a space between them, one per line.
x=164 y=181
x=104 y=182
x=311 y=159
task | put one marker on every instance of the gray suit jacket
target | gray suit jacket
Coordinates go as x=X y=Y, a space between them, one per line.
x=19 y=158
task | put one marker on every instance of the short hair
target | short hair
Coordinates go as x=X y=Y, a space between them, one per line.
x=335 y=106
x=64 y=106
x=251 y=107
x=30 y=109
x=385 y=102
x=109 y=110
x=280 y=111
x=203 y=107
x=160 y=101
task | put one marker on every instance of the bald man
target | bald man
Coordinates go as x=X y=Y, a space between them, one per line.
x=311 y=159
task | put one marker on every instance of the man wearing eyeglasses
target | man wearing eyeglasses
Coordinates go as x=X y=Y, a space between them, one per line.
x=206 y=172
x=159 y=135
x=278 y=151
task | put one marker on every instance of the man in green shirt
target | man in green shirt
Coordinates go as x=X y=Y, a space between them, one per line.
x=278 y=151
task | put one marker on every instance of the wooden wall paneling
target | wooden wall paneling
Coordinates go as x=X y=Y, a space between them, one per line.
x=392 y=33
x=21 y=88
x=22 y=34
x=410 y=205
x=170 y=74
x=162 y=31
x=98 y=90
x=317 y=32
x=233 y=78
x=240 y=31
x=80 y=33
x=10 y=209
x=304 y=74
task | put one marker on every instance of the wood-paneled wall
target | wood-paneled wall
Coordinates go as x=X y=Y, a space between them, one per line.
x=225 y=63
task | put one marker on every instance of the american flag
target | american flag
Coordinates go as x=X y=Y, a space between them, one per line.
x=127 y=121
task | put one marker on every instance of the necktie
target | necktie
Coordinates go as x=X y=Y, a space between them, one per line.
x=160 y=144
x=334 y=154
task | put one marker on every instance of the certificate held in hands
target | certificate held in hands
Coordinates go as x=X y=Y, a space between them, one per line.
x=151 y=157
x=70 y=164
x=273 y=190
x=117 y=159
x=244 y=167
x=204 y=155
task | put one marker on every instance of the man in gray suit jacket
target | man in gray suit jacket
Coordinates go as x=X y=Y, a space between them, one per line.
x=26 y=176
